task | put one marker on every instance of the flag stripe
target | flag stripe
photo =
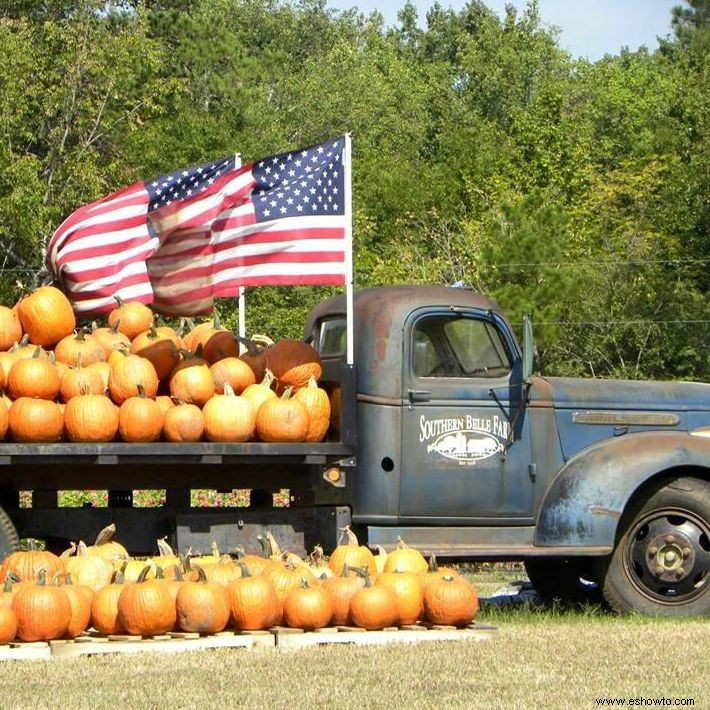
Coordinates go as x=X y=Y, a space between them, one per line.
x=194 y=235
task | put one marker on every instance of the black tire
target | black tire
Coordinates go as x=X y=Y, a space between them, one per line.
x=661 y=563
x=9 y=539
x=568 y=578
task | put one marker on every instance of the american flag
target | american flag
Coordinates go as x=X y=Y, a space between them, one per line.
x=185 y=238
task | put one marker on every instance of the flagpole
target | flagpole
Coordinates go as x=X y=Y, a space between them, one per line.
x=350 y=335
x=242 y=301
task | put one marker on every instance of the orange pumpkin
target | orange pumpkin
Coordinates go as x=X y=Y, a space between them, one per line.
x=202 y=606
x=140 y=418
x=80 y=380
x=25 y=564
x=91 y=418
x=317 y=404
x=308 y=607
x=146 y=607
x=46 y=315
x=405 y=559
x=35 y=421
x=110 y=338
x=104 y=607
x=10 y=328
x=42 y=611
x=260 y=392
x=7 y=360
x=127 y=373
x=342 y=590
x=373 y=607
x=83 y=345
x=282 y=419
x=353 y=554
x=293 y=362
x=33 y=377
x=232 y=371
x=8 y=624
x=184 y=422
x=407 y=589
x=228 y=417
x=102 y=369
x=4 y=419
x=191 y=380
x=253 y=601
x=450 y=601
x=130 y=318
x=159 y=348
x=80 y=597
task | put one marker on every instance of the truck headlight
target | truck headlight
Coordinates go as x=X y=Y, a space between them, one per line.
x=702 y=431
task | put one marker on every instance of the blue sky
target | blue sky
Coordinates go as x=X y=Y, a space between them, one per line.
x=589 y=28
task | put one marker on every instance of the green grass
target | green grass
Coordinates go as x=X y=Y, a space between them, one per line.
x=550 y=656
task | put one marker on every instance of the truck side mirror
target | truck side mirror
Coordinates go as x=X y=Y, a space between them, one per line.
x=528 y=349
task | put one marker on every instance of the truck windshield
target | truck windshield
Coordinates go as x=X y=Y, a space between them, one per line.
x=332 y=337
x=453 y=346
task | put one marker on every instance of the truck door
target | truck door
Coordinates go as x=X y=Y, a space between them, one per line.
x=465 y=438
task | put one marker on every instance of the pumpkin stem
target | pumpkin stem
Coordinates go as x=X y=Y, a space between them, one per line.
x=37 y=352
x=81 y=550
x=118 y=576
x=178 y=573
x=362 y=572
x=304 y=583
x=346 y=570
x=41 y=577
x=268 y=378
x=31 y=545
x=352 y=538
x=228 y=390
x=215 y=549
x=68 y=578
x=288 y=393
x=275 y=549
x=141 y=391
x=106 y=534
x=120 y=301
x=69 y=552
x=114 y=327
x=433 y=564
x=10 y=579
x=201 y=576
x=239 y=552
x=265 y=547
x=401 y=544
x=24 y=340
x=244 y=569
x=164 y=550
x=144 y=573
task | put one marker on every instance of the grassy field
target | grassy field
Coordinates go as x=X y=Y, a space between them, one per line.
x=548 y=657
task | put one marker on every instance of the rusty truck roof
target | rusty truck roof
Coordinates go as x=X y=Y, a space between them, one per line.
x=379 y=317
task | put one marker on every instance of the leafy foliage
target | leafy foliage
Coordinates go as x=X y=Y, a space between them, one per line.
x=483 y=152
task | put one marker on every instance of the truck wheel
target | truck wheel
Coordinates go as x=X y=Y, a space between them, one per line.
x=568 y=578
x=661 y=564
x=9 y=539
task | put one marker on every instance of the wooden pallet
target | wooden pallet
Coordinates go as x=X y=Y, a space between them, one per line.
x=297 y=638
x=166 y=643
x=25 y=651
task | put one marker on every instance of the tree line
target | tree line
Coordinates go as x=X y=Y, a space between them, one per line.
x=576 y=191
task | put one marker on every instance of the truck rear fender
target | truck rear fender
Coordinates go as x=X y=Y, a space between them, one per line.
x=585 y=501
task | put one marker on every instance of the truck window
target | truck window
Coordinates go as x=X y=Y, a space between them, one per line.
x=332 y=337
x=455 y=346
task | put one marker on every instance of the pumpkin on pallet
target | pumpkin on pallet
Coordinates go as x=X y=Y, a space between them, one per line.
x=352 y=553
x=253 y=601
x=203 y=606
x=146 y=607
x=43 y=611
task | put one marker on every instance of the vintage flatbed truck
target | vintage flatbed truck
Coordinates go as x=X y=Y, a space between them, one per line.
x=446 y=438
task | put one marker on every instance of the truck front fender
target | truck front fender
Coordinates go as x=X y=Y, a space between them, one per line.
x=585 y=501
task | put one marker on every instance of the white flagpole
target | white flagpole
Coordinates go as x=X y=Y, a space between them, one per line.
x=350 y=335
x=242 y=300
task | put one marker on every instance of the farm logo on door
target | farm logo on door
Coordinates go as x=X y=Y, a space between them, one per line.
x=464 y=439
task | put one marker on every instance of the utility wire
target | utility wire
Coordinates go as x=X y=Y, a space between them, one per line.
x=514 y=265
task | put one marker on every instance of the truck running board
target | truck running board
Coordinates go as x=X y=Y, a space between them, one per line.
x=473 y=543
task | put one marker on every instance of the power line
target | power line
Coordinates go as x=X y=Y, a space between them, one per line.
x=509 y=265
x=620 y=322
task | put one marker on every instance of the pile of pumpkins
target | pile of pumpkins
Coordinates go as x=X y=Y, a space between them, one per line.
x=136 y=381
x=46 y=597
